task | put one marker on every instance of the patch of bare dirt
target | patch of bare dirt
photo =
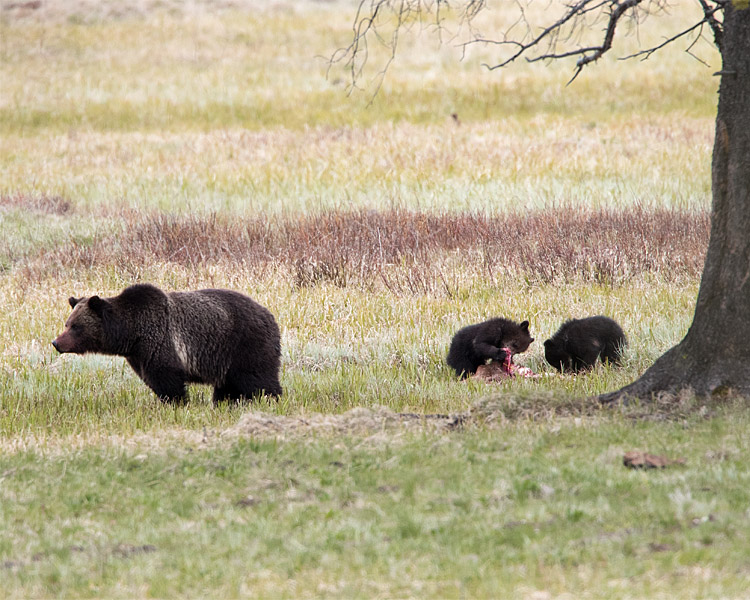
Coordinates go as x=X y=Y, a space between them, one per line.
x=643 y=460
x=358 y=421
x=539 y=406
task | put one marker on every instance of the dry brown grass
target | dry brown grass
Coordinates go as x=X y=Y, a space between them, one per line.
x=379 y=424
x=54 y=205
x=541 y=406
x=358 y=421
x=92 y=11
x=405 y=250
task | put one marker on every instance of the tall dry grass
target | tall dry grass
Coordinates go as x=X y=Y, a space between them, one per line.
x=366 y=248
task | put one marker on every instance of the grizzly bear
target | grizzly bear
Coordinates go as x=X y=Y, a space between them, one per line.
x=579 y=342
x=219 y=337
x=497 y=339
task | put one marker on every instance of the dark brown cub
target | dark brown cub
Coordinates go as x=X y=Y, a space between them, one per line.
x=578 y=343
x=494 y=339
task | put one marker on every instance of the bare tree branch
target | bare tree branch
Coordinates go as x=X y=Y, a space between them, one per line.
x=614 y=18
x=402 y=14
x=699 y=25
x=395 y=15
x=574 y=11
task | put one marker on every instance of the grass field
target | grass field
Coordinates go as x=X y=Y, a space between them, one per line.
x=203 y=144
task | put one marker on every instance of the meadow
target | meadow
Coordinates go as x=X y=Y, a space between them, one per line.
x=214 y=145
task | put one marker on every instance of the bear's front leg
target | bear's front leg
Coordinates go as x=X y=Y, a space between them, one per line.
x=485 y=351
x=169 y=385
x=167 y=382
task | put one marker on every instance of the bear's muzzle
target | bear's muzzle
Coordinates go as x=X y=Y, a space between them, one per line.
x=59 y=344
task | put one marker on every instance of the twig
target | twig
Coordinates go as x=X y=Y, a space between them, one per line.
x=649 y=51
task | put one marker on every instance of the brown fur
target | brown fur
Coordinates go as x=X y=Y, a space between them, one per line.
x=494 y=339
x=219 y=337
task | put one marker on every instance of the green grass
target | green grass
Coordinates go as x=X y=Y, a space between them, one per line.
x=544 y=507
x=237 y=111
x=342 y=348
x=178 y=126
x=227 y=71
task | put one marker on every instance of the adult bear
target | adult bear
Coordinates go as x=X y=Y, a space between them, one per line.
x=219 y=337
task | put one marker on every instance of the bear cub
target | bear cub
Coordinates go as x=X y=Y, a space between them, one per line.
x=495 y=339
x=219 y=337
x=579 y=342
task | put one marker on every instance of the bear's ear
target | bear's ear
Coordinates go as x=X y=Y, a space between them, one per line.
x=73 y=301
x=96 y=304
x=525 y=325
x=547 y=343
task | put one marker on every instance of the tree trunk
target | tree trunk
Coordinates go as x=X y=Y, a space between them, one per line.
x=714 y=357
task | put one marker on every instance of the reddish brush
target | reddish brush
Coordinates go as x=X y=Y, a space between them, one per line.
x=406 y=250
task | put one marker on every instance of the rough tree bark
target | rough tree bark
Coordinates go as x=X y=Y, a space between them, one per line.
x=714 y=356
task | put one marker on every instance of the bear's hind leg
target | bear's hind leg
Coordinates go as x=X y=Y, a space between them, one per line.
x=245 y=386
x=250 y=385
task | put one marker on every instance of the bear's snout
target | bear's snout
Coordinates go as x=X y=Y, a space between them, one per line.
x=61 y=344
